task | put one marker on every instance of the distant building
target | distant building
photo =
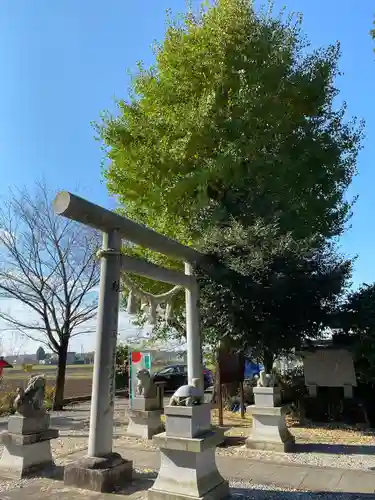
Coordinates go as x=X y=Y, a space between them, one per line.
x=70 y=358
x=27 y=359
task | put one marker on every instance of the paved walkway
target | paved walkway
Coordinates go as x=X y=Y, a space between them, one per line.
x=240 y=470
x=290 y=476
x=245 y=477
x=322 y=483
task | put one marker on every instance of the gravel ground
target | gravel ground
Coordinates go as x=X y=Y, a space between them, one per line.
x=347 y=461
x=344 y=461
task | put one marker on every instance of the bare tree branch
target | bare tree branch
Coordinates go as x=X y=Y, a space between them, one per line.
x=48 y=264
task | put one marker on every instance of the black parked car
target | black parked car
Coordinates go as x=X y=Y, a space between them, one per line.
x=175 y=376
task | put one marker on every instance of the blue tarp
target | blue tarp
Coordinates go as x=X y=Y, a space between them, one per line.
x=252 y=369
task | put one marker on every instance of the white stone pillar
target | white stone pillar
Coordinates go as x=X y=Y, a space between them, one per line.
x=193 y=337
x=103 y=384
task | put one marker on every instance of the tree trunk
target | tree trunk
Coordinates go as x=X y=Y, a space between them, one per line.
x=268 y=359
x=58 y=402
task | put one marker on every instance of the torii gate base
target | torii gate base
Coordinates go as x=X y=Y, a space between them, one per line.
x=103 y=474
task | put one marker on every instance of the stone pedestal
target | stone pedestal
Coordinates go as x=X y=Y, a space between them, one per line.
x=188 y=468
x=144 y=417
x=102 y=474
x=348 y=391
x=269 y=430
x=144 y=424
x=267 y=396
x=27 y=447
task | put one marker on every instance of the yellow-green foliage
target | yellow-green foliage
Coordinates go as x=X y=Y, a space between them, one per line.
x=49 y=397
x=6 y=403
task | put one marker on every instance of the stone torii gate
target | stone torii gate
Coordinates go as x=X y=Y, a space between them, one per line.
x=115 y=228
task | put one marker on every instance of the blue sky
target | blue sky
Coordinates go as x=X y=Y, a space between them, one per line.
x=63 y=62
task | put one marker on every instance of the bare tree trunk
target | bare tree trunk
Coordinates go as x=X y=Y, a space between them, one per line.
x=58 y=402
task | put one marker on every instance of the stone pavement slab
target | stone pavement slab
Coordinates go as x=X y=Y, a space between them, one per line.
x=293 y=476
x=55 y=490
x=46 y=489
x=352 y=482
x=328 y=477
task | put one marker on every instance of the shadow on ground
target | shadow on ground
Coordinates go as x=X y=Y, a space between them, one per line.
x=334 y=449
x=232 y=441
x=141 y=481
x=270 y=494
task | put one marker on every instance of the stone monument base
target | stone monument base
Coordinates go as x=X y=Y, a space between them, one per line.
x=102 y=474
x=188 y=469
x=144 y=424
x=269 y=430
x=27 y=447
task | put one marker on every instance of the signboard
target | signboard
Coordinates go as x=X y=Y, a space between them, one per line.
x=138 y=361
x=231 y=366
x=329 y=368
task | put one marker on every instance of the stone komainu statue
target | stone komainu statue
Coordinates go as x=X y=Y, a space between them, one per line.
x=187 y=395
x=30 y=402
x=266 y=379
x=145 y=384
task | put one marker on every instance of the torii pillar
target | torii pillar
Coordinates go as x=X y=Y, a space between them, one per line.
x=102 y=470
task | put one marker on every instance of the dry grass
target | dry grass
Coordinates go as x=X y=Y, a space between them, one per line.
x=49 y=371
x=73 y=386
x=308 y=433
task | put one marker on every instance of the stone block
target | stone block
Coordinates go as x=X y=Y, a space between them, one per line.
x=267 y=396
x=348 y=391
x=26 y=455
x=218 y=492
x=9 y=439
x=145 y=404
x=195 y=445
x=187 y=421
x=102 y=474
x=17 y=424
x=269 y=430
x=144 y=424
x=188 y=469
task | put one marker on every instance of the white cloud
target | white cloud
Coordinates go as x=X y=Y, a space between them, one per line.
x=13 y=343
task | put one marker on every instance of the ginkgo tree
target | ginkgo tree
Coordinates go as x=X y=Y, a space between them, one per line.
x=237 y=120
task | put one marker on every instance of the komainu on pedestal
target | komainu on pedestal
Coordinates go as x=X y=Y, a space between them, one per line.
x=27 y=447
x=188 y=468
x=145 y=408
x=269 y=430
